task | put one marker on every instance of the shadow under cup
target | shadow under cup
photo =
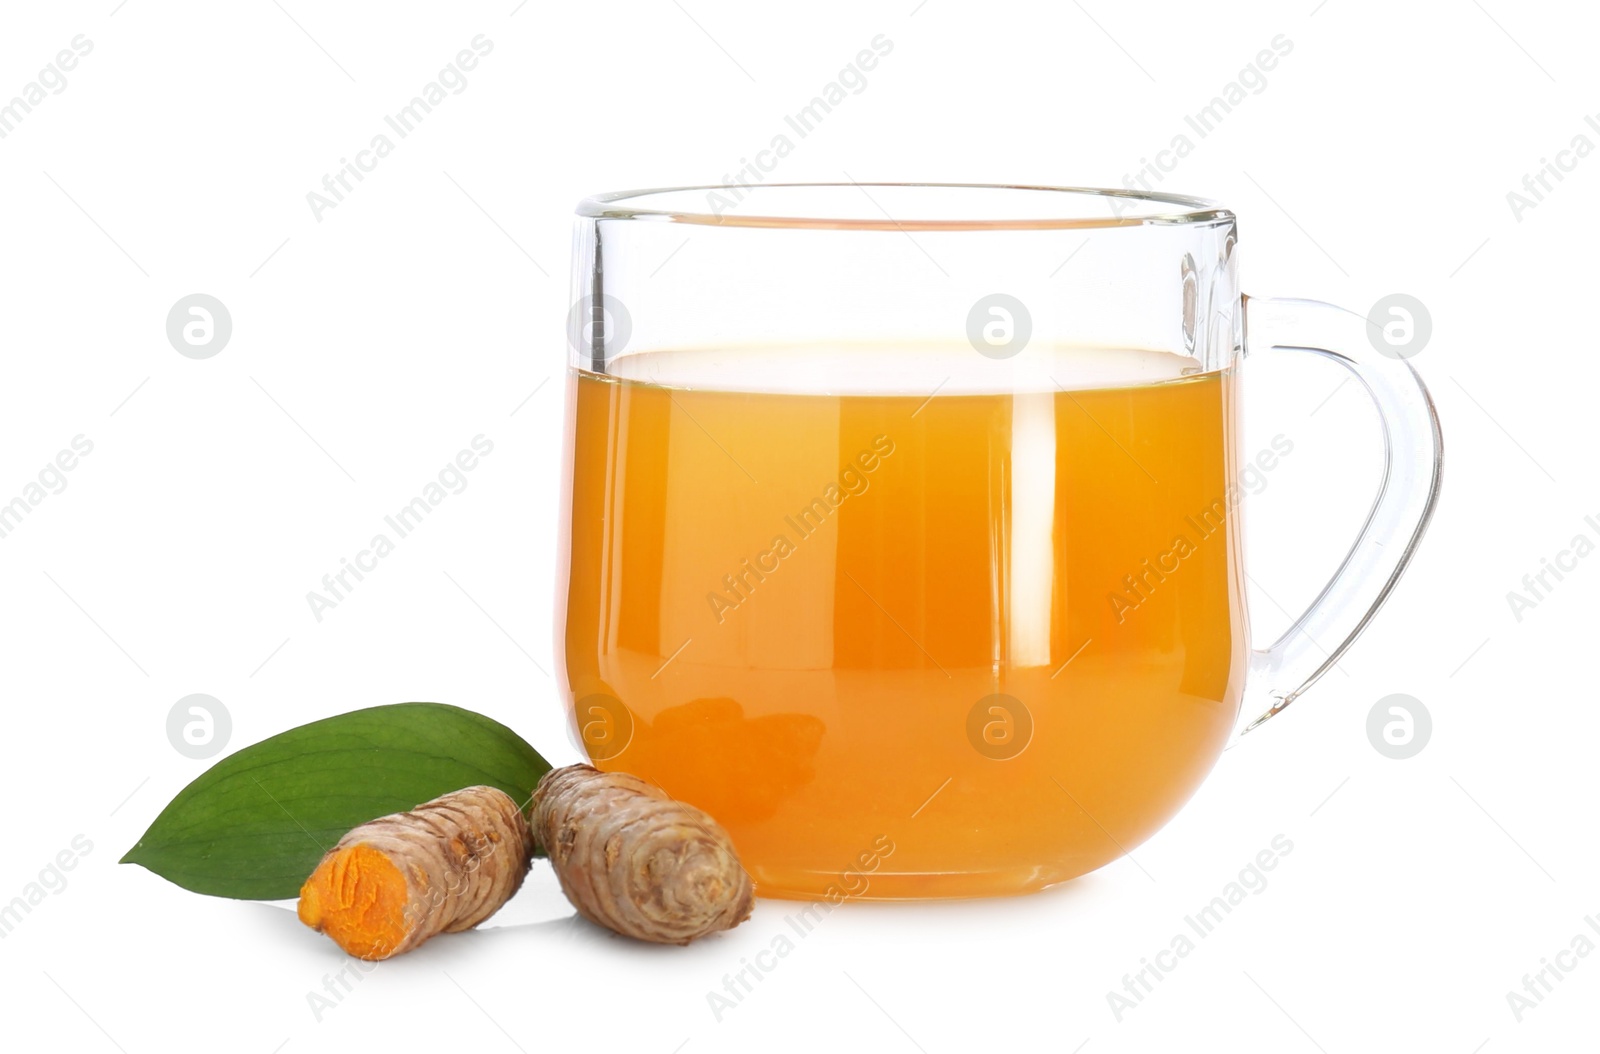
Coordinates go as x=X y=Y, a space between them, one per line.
x=900 y=527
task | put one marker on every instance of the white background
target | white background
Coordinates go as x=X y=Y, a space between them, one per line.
x=370 y=346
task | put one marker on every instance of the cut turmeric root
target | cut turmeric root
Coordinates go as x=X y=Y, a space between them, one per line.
x=443 y=867
x=635 y=861
x=629 y=857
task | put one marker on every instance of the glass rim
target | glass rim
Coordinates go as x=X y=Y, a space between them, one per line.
x=1154 y=208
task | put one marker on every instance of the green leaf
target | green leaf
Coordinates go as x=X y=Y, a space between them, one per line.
x=254 y=826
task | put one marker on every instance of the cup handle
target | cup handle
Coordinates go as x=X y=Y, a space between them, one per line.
x=1413 y=464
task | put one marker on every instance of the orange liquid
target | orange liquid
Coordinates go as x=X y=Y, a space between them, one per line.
x=909 y=647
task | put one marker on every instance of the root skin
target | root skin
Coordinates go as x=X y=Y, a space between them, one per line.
x=632 y=859
x=443 y=867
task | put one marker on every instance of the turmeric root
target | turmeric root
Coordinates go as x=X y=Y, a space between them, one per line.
x=635 y=861
x=443 y=867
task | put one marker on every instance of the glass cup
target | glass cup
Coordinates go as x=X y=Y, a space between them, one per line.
x=901 y=524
